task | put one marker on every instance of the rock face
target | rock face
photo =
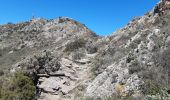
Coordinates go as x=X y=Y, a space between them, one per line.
x=139 y=50
x=114 y=80
x=162 y=7
x=67 y=61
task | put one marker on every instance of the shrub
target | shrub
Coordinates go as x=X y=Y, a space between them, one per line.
x=154 y=91
x=106 y=58
x=151 y=88
x=100 y=64
x=161 y=60
x=111 y=50
x=79 y=43
x=91 y=49
x=135 y=67
x=61 y=20
x=18 y=87
x=1 y=72
x=77 y=55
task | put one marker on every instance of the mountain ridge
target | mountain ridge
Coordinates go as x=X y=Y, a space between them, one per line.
x=67 y=61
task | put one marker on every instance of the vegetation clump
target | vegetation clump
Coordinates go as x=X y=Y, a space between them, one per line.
x=17 y=87
x=79 y=43
x=154 y=91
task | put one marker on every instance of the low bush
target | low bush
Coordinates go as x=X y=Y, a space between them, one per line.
x=162 y=67
x=154 y=91
x=101 y=63
x=17 y=87
x=1 y=72
x=91 y=48
x=135 y=67
x=77 y=55
x=79 y=43
x=151 y=88
x=105 y=58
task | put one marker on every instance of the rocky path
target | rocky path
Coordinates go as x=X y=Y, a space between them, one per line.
x=61 y=84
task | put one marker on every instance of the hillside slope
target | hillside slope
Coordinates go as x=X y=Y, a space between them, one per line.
x=67 y=61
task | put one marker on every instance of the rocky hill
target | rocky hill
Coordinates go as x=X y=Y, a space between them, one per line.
x=61 y=59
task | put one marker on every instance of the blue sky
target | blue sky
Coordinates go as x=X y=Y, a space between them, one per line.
x=101 y=16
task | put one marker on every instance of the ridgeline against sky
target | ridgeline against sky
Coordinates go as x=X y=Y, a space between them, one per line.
x=102 y=16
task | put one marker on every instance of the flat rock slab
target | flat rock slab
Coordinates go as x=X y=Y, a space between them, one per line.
x=66 y=62
x=83 y=61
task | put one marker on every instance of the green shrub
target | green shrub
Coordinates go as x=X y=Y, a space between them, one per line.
x=18 y=87
x=135 y=67
x=90 y=48
x=151 y=88
x=79 y=43
x=153 y=91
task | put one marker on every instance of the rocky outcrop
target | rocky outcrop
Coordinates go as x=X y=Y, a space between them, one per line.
x=55 y=78
x=140 y=41
x=114 y=81
x=162 y=7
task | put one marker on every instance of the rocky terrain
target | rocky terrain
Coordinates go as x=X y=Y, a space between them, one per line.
x=64 y=60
